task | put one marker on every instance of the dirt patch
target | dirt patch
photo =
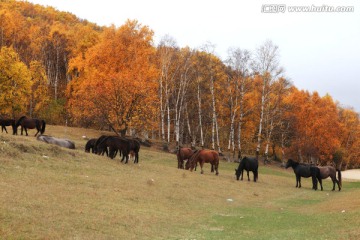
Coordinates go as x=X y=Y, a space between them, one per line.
x=353 y=174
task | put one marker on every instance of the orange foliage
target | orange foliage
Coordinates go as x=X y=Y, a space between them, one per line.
x=315 y=126
x=118 y=81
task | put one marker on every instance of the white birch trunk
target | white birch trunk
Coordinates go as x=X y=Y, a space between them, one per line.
x=261 y=120
x=200 y=116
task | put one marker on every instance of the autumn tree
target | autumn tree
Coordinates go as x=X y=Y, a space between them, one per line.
x=15 y=83
x=117 y=82
x=349 y=137
x=39 y=95
x=315 y=127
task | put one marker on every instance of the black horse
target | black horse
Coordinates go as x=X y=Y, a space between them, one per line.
x=90 y=145
x=248 y=164
x=114 y=144
x=306 y=171
x=134 y=146
x=7 y=122
x=30 y=123
x=100 y=149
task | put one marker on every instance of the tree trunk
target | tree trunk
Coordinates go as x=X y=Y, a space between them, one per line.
x=200 y=116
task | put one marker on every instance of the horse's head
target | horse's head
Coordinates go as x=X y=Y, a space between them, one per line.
x=289 y=163
x=237 y=174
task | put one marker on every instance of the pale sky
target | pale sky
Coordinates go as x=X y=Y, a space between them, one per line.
x=320 y=51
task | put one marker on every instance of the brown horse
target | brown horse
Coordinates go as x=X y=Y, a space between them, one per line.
x=30 y=123
x=182 y=155
x=330 y=171
x=205 y=156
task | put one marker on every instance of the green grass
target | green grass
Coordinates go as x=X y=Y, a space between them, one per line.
x=47 y=192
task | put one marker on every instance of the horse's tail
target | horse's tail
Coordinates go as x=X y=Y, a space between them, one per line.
x=43 y=127
x=19 y=121
x=339 y=176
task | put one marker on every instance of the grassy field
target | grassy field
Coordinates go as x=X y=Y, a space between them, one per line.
x=47 y=192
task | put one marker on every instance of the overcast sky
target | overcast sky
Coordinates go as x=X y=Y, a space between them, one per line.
x=320 y=51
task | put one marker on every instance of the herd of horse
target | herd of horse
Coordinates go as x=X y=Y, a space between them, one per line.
x=25 y=123
x=251 y=164
x=111 y=145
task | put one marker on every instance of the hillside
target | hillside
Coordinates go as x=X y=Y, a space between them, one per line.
x=47 y=192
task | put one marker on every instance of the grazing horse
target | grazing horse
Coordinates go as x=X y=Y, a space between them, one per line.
x=114 y=144
x=182 y=155
x=134 y=148
x=204 y=156
x=305 y=171
x=330 y=171
x=100 y=150
x=248 y=164
x=31 y=123
x=7 y=122
x=57 y=141
x=90 y=145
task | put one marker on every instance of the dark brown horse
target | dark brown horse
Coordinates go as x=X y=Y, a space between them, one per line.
x=30 y=123
x=205 y=156
x=7 y=122
x=330 y=171
x=182 y=155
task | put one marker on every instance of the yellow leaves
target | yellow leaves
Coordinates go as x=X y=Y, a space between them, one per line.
x=14 y=82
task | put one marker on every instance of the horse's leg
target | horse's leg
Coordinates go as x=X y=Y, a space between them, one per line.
x=127 y=158
x=242 y=174
x=38 y=128
x=334 y=180
x=320 y=182
x=254 y=173
x=338 y=183
x=217 y=168
x=299 y=181
x=248 y=175
x=137 y=158
x=201 y=166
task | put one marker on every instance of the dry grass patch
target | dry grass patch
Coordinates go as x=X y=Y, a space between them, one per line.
x=47 y=192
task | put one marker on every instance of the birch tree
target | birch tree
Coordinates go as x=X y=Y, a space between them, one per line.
x=212 y=71
x=239 y=63
x=181 y=87
x=168 y=65
x=266 y=64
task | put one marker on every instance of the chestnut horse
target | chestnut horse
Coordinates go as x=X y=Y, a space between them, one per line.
x=182 y=155
x=204 y=156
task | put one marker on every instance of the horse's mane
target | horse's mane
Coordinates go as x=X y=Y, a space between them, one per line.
x=19 y=121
